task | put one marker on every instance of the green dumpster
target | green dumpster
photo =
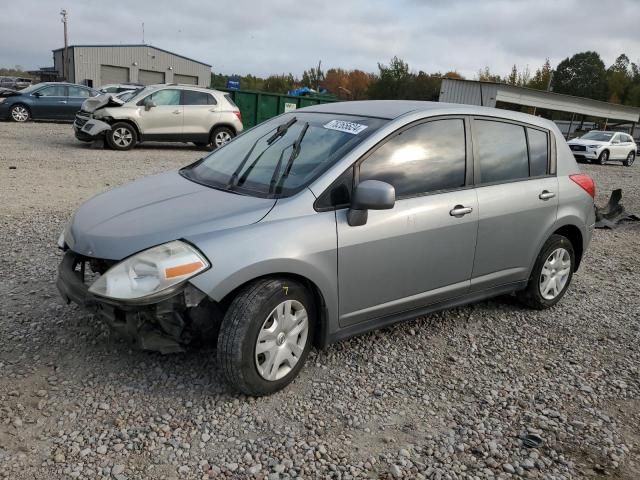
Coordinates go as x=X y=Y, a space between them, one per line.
x=257 y=106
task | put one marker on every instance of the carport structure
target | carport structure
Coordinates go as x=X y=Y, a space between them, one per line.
x=502 y=95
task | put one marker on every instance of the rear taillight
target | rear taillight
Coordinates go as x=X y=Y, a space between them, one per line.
x=239 y=115
x=586 y=182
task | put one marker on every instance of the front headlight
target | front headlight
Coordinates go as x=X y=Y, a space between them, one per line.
x=150 y=272
x=595 y=147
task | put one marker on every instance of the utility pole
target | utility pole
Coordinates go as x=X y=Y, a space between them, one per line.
x=143 y=33
x=318 y=76
x=65 y=55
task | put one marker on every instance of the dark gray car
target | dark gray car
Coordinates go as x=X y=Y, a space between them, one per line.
x=328 y=222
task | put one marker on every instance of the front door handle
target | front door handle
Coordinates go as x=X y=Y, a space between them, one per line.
x=176 y=112
x=460 y=211
x=546 y=195
x=62 y=101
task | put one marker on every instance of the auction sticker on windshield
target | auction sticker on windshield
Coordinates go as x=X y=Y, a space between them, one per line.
x=344 y=126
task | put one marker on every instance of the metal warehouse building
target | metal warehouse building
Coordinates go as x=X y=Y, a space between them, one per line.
x=492 y=94
x=96 y=65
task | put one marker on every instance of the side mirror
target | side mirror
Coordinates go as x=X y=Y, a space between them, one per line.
x=370 y=195
x=37 y=94
x=149 y=104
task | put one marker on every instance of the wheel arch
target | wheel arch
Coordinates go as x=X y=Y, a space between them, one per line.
x=320 y=305
x=112 y=121
x=574 y=235
x=223 y=124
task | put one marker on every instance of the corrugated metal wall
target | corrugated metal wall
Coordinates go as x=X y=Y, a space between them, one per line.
x=468 y=93
x=89 y=59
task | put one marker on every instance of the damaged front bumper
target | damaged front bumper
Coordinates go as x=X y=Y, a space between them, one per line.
x=88 y=130
x=167 y=325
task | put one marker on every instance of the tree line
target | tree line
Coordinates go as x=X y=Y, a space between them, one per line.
x=583 y=74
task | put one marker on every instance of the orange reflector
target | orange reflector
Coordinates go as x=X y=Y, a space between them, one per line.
x=181 y=270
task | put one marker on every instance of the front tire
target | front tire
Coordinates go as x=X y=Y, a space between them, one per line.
x=551 y=275
x=122 y=136
x=604 y=156
x=20 y=113
x=630 y=159
x=266 y=335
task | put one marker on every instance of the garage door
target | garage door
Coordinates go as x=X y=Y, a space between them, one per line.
x=188 y=79
x=147 y=77
x=110 y=74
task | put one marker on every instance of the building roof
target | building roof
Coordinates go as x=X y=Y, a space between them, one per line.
x=131 y=45
x=488 y=93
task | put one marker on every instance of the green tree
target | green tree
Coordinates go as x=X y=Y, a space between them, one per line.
x=542 y=77
x=279 y=83
x=392 y=82
x=619 y=79
x=485 y=75
x=313 y=77
x=512 y=79
x=582 y=75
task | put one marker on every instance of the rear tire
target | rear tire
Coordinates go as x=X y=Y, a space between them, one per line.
x=604 y=156
x=551 y=276
x=220 y=136
x=122 y=136
x=266 y=335
x=630 y=159
x=20 y=113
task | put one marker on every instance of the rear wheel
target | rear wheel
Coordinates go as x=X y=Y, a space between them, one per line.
x=220 y=136
x=604 y=156
x=630 y=159
x=122 y=136
x=266 y=335
x=20 y=113
x=551 y=275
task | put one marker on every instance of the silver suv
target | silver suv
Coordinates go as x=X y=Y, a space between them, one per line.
x=328 y=222
x=167 y=113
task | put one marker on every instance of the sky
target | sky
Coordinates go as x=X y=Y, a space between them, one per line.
x=280 y=36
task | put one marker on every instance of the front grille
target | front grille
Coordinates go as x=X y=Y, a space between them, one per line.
x=81 y=119
x=578 y=148
x=96 y=268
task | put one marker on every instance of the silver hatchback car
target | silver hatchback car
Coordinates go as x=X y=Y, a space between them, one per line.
x=328 y=222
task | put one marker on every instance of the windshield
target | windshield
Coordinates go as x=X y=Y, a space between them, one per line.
x=283 y=155
x=599 y=136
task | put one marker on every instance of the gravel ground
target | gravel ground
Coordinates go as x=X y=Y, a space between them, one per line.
x=450 y=395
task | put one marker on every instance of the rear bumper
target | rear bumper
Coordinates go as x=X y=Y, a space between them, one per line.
x=164 y=326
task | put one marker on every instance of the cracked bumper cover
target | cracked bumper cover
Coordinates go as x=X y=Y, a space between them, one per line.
x=166 y=325
x=92 y=130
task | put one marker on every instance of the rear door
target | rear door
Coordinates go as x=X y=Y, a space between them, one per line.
x=201 y=112
x=517 y=197
x=75 y=98
x=49 y=102
x=420 y=252
x=165 y=119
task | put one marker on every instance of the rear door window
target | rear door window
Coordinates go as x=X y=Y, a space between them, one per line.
x=422 y=159
x=79 y=92
x=191 y=97
x=502 y=151
x=538 y=152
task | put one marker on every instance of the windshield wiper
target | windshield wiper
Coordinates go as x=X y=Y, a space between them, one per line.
x=294 y=154
x=281 y=130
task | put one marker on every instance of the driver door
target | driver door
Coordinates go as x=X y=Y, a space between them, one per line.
x=419 y=252
x=49 y=102
x=165 y=118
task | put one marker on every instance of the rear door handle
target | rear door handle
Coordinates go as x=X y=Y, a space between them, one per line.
x=176 y=112
x=62 y=101
x=546 y=195
x=460 y=211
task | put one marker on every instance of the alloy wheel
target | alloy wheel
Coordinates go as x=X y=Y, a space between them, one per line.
x=19 y=113
x=221 y=138
x=122 y=137
x=555 y=273
x=281 y=340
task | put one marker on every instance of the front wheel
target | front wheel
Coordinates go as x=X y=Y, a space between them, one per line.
x=122 y=136
x=604 y=156
x=20 y=113
x=630 y=159
x=551 y=275
x=266 y=335
x=220 y=136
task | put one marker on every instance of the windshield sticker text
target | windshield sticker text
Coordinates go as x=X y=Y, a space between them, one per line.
x=344 y=126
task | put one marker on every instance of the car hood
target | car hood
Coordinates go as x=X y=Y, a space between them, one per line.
x=155 y=210
x=94 y=103
x=580 y=141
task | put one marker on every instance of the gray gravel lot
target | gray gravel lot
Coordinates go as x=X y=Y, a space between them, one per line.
x=445 y=396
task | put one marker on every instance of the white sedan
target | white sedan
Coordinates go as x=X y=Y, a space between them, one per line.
x=604 y=146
